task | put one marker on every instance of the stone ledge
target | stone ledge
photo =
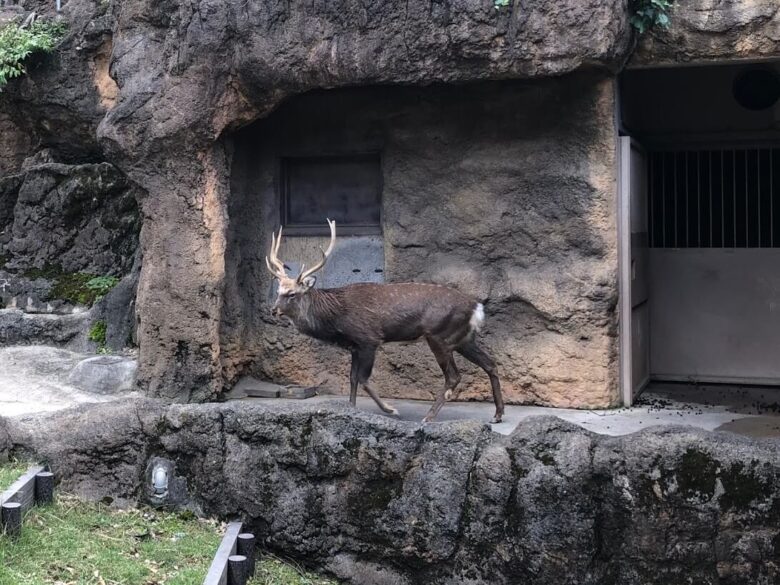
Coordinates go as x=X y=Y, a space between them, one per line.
x=446 y=502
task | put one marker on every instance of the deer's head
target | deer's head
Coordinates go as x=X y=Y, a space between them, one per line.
x=292 y=292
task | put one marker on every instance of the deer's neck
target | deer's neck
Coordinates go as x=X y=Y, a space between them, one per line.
x=318 y=311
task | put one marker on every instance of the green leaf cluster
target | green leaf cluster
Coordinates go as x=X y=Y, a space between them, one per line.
x=97 y=333
x=100 y=285
x=646 y=14
x=18 y=42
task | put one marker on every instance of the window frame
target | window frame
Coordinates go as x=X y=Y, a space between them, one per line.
x=283 y=192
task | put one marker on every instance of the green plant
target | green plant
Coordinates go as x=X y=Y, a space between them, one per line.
x=17 y=42
x=72 y=286
x=646 y=14
x=100 y=285
x=77 y=287
x=97 y=333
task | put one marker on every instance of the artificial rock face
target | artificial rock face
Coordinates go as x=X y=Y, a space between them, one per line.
x=160 y=89
x=702 y=32
x=373 y=500
x=503 y=190
x=232 y=64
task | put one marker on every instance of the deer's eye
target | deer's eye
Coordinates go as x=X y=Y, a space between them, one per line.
x=291 y=295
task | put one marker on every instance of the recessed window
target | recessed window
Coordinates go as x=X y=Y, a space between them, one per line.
x=346 y=189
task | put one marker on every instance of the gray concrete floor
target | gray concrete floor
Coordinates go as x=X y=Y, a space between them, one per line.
x=744 y=410
x=34 y=379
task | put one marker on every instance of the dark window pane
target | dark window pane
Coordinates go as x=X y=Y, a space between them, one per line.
x=346 y=189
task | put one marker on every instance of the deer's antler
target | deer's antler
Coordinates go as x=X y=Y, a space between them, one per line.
x=275 y=266
x=325 y=253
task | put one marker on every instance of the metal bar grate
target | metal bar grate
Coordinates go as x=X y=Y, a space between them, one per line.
x=714 y=198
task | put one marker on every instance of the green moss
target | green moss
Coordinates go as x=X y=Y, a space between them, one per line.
x=741 y=487
x=49 y=272
x=697 y=474
x=102 y=284
x=97 y=333
x=73 y=287
x=376 y=496
x=546 y=458
x=80 y=288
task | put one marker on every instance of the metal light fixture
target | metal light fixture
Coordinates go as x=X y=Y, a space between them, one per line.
x=160 y=481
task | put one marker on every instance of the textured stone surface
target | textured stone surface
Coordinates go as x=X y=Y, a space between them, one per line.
x=19 y=327
x=81 y=218
x=503 y=190
x=158 y=88
x=118 y=310
x=34 y=379
x=59 y=105
x=232 y=64
x=105 y=374
x=703 y=31
x=373 y=500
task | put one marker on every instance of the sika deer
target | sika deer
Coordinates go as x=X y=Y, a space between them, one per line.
x=361 y=317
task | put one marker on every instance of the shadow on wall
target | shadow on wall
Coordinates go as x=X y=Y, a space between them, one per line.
x=504 y=190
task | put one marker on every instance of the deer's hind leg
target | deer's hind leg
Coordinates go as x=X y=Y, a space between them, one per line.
x=362 y=365
x=446 y=362
x=476 y=355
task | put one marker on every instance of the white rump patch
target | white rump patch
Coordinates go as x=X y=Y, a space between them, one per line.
x=477 y=318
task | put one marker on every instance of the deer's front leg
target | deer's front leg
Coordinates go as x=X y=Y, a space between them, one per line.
x=353 y=378
x=366 y=357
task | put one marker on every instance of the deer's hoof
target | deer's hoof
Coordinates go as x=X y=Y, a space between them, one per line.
x=392 y=411
x=496 y=419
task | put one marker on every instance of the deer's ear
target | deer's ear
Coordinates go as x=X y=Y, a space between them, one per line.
x=309 y=282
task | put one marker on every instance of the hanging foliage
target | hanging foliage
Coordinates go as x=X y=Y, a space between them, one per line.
x=19 y=41
x=646 y=14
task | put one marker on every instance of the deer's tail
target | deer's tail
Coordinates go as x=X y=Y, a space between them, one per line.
x=477 y=317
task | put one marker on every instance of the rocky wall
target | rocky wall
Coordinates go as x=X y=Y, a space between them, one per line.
x=503 y=190
x=157 y=88
x=189 y=75
x=713 y=31
x=376 y=501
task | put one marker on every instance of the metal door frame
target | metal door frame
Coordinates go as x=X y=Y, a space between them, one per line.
x=625 y=332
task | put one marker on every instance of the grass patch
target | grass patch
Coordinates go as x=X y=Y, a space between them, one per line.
x=273 y=571
x=10 y=472
x=89 y=544
x=78 y=543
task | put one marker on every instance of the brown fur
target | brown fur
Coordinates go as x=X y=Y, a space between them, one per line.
x=361 y=317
